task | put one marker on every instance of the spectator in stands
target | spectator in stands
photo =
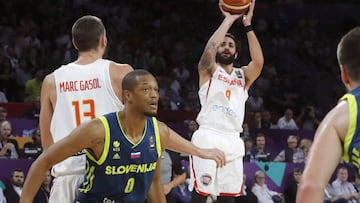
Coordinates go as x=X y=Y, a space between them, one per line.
x=329 y=195
x=258 y=153
x=260 y=189
x=3 y=113
x=42 y=196
x=246 y=131
x=33 y=149
x=247 y=196
x=3 y=98
x=356 y=183
x=257 y=121
x=266 y=120
x=2 y=196
x=255 y=103
x=248 y=142
x=33 y=86
x=291 y=188
x=9 y=147
x=343 y=188
x=13 y=191
x=172 y=173
x=8 y=79
x=192 y=126
x=305 y=145
x=287 y=122
x=307 y=119
x=292 y=153
x=34 y=112
x=181 y=73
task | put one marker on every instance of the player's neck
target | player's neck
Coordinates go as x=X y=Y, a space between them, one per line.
x=132 y=126
x=227 y=67
x=88 y=57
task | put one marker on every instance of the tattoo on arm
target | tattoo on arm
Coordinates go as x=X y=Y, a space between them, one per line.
x=208 y=57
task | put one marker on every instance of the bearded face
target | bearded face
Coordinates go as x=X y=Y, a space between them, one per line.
x=225 y=58
x=226 y=53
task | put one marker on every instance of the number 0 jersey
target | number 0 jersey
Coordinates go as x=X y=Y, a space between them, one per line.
x=125 y=170
x=352 y=139
x=223 y=100
x=83 y=92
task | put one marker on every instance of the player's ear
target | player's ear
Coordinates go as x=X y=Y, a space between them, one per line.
x=126 y=96
x=344 y=75
x=103 y=40
x=74 y=44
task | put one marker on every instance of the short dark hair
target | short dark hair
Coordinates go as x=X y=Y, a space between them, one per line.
x=237 y=42
x=86 y=32
x=129 y=82
x=297 y=170
x=348 y=52
x=16 y=170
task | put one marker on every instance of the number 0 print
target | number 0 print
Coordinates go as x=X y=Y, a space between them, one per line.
x=228 y=94
x=130 y=185
x=88 y=113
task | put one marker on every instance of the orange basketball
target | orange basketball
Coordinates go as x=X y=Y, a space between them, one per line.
x=235 y=6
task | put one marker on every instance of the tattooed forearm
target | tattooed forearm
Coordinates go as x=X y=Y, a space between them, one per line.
x=208 y=57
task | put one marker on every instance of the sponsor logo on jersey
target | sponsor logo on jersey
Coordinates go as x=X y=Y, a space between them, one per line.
x=116 y=156
x=116 y=146
x=108 y=200
x=206 y=179
x=224 y=109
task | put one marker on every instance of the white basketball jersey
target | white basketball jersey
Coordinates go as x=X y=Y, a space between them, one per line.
x=84 y=92
x=222 y=100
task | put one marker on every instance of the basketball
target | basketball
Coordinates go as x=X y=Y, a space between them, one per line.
x=235 y=6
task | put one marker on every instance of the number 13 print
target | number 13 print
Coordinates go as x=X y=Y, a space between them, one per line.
x=79 y=106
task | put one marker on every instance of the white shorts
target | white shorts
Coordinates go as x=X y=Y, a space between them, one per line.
x=205 y=177
x=65 y=188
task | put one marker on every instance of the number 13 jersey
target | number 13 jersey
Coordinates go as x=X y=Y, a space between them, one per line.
x=83 y=92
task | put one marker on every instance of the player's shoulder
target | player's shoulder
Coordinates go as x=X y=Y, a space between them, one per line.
x=49 y=78
x=121 y=66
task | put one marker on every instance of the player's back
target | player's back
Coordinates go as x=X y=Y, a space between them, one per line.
x=83 y=92
x=352 y=139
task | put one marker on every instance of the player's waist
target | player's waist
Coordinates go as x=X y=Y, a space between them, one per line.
x=224 y=131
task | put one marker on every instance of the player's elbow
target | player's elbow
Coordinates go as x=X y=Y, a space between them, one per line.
x=309 y=191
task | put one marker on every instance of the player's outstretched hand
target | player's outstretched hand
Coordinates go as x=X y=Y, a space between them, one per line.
x=215 y=154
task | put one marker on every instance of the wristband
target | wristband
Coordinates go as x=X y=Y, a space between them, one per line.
x=248 y=28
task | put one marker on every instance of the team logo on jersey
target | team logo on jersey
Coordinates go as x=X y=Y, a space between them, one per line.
x=152 y=142
x=116 y=146
x=238 y=73
x=206 y=179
